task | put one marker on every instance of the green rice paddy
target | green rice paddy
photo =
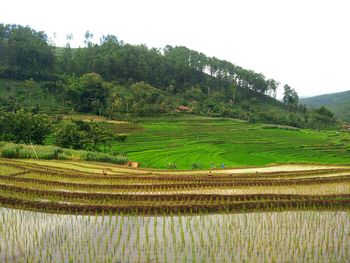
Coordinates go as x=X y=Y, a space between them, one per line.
x=210 y=142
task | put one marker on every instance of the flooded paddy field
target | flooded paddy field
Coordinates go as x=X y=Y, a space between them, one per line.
x=288 y=236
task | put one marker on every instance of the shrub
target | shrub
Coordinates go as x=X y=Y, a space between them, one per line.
x=102 y=157
x=69 y=135
x=196 y=166
x=24 y=126
x=12 y=150
x=171 y=166
x=282 y=127
x=48 y=152
x=122 y=137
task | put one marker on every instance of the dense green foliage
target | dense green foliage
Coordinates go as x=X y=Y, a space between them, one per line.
x=27 y=127
x=24 y=127
x=339 y=103
x=25 y=53
x=69 y=135
x=82 y=135
x=12 y=150
x=88 y=93
x=43 y=96
x=173 y=68
x=300 y=117
x=290 y=98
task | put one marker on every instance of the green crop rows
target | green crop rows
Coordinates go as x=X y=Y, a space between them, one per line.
x=209 y=142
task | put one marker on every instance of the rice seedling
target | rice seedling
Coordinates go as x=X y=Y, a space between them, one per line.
x=135 y=215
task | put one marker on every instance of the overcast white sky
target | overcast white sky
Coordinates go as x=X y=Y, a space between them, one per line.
x=305 y=43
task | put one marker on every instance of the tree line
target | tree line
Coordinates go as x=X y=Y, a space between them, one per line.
x=26 y=53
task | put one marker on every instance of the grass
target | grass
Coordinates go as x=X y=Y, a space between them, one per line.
x=12 y=150
x=206 y=142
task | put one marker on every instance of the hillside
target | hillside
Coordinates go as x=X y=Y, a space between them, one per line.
x=45 y=96
x=40 y=96
x=124 y=81
x=339 y=103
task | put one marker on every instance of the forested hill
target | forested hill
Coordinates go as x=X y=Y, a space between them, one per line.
x=28 y=55
x=339 y=103
x=118 y=79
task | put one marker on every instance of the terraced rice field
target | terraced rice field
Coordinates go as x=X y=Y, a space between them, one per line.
x=181 y=142
x=88 y=188
x=94 y=212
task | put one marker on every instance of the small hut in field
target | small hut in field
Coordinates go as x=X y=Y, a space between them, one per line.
x=133 y=164
x=346 y=127
x=182 y=108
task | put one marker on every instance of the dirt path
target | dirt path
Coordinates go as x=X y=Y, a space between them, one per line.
x=111 y=168
x=279 y=168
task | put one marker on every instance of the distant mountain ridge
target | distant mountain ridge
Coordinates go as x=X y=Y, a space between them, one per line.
x=338 y=102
